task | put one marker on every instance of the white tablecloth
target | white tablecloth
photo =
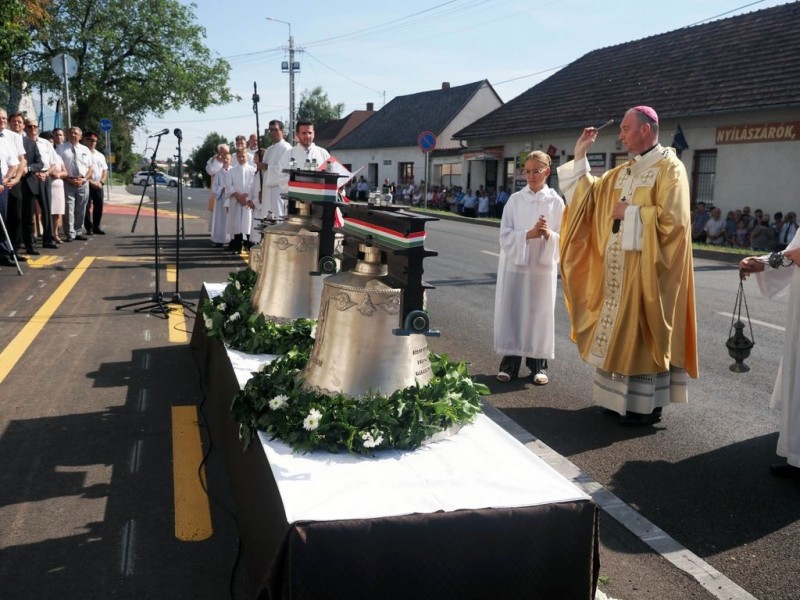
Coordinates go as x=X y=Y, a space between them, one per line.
x=481 y=466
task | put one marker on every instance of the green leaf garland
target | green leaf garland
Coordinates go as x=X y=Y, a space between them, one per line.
x=274 y=400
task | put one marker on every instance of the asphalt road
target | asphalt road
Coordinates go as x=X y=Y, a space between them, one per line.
x=88 y=393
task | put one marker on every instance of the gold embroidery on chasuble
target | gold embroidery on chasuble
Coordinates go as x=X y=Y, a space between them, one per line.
x=612 y=288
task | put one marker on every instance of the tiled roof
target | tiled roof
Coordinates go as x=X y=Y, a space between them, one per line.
x=333 y=131
x=400 y=122
x=739 y=63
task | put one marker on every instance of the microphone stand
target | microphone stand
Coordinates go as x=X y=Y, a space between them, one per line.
x=179 y=228
x=156 y=302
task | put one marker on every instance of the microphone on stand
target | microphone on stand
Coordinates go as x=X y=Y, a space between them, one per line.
x=159 y=134
x=178 y=134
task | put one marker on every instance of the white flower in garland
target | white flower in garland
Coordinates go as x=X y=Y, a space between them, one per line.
x=369 y=441
x=311 y=422
x=279 y=402
x=207 y=320
x=313 y=333
x=238 y=285
x=234 y=316
x=221 y=307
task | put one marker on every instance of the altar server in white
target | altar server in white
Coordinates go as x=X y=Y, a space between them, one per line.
x=524 y=321
x=786 y=393
x=219 y=214
x=238 y=182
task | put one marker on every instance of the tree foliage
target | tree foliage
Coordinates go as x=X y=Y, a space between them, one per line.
x=315 y=107
x=196 y=163
x=17 y=19
x=133 y=58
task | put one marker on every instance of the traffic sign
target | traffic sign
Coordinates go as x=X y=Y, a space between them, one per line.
x=105 y=124
x=64 y=65
x=426 y=141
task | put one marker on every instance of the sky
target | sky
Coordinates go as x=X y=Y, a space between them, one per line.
x=362 y=51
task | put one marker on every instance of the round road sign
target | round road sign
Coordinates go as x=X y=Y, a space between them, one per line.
x=426 y=141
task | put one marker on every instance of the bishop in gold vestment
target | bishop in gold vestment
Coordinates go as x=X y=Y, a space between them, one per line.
x=630 y=293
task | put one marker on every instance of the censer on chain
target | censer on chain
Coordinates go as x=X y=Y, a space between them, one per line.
x=739 y=345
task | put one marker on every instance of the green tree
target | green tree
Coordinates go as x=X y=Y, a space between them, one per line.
x=315 y=107
x=196 y=163
x=17 y=19
x=133 y=59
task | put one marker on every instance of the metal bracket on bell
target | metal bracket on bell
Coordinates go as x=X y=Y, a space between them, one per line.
x=417 y=322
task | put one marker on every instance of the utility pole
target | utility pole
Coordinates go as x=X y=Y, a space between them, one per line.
x=292 y=68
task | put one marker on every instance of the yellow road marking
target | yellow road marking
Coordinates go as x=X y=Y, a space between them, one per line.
x=192 y=510
x=16 y=348
x=44 y=261
x=178 y=327
x=171 y=276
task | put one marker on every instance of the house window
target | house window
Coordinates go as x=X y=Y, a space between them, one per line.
x=405 y=172
x=618 y=158
x=447 y=175
x=703 y=175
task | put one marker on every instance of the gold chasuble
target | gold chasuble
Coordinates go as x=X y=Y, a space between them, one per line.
x=632 y=310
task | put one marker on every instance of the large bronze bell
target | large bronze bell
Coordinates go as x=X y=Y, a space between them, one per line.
x=355 y=349
x=285 y=287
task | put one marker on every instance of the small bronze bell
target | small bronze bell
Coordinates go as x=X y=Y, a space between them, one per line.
x=739 y=345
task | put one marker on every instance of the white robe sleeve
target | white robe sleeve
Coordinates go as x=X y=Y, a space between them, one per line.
x=513 y=241
x=570 y=173
x=775 y=282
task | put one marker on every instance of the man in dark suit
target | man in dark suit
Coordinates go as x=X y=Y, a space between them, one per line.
x=39 y=182
x=20 y=218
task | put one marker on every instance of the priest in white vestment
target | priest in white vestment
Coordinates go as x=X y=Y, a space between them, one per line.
x=786 y=394
x=276 y=160
x=524 y=320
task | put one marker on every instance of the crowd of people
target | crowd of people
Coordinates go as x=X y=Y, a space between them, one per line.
x=741 y=229
x=478 y=203
x=52 y=187
x=250 y=184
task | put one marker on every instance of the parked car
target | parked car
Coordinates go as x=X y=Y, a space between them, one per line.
x=146 y=178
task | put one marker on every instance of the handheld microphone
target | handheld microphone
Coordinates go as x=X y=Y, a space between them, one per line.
x=159 y=134
x=178 y=134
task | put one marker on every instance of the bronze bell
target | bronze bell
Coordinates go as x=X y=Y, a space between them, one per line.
x=739 y=345
x=285 y=287
x=355 y=350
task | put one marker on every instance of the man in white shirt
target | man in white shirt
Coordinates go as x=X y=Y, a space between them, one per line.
x=78 y=162
x=99 y=175
x=306 y=153
x=715 y=228
x=9 y=167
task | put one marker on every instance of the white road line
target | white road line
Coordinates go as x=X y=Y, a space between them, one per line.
x=497 y=254
x=127 y=549
x=712 y=580
x=756 y=322
x=136 y=454
x=146 y=335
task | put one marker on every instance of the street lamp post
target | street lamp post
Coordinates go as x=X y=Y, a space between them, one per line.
x=291 y=74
